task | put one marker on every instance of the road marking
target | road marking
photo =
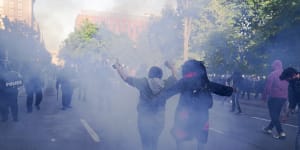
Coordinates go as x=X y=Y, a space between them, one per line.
x=290 y=125
x=92 y=133
x=215 y=130
x=267 y=120
x=263 y=119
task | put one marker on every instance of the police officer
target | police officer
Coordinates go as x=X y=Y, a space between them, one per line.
x=65 y=81
x=34 y=84
x=9 y=83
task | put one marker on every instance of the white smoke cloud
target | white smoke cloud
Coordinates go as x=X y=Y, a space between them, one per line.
x=57 y=17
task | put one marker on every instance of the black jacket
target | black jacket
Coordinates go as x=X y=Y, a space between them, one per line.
x=9 y=83
x=294 y=93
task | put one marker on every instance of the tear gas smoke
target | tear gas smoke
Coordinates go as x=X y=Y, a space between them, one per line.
x=56 y=18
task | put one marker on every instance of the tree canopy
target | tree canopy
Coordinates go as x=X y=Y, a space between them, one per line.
x=226 y=34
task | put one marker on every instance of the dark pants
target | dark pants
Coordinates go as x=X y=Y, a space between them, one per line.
x=236 y=102
x=66 y=98
x=9 y=103
x=38 y=99
x=275 y=106
x=150 y=126
x=298 y=134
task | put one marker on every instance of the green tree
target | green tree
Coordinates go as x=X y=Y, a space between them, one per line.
x=162 y=39
x=249 y=33
x=91 y=44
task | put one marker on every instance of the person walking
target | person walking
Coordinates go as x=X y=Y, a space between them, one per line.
x=150 y=112
x=34 y=89
x=65 y=82
x=237 y=81
x=293 y=77
x=33 y=84
x=275 y=94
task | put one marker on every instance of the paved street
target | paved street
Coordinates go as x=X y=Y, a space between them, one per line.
x=88 y=126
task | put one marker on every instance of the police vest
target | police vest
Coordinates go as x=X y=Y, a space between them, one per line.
x=9 y=82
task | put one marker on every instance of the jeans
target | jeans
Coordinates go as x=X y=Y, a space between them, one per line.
x=236 y=102
x=275 y=106
x=297 y=145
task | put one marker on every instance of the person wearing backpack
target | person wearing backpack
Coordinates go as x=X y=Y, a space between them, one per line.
x=151 y=112
x=293 y=77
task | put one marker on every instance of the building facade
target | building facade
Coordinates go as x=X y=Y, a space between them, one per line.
x=18 y=10
x=117 y=23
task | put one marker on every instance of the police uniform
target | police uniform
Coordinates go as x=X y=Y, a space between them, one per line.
x=34 y=86
x=9 y=83
x=66 y=81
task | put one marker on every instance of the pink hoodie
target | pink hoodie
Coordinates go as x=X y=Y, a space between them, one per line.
x=275 y=87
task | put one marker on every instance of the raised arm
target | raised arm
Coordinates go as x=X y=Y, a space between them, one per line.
x=120 y=71
x=220 y=89
x=171 y=67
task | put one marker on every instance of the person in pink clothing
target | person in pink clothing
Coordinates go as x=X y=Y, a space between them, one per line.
x=276 y=94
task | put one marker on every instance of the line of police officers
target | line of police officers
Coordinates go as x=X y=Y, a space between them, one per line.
x=11 y=81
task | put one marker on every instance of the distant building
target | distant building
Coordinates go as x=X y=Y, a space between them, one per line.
x=118 y=23
x=20 y=10
x=55 y=59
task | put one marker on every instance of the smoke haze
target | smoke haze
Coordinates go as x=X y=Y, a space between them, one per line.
x=57 y=17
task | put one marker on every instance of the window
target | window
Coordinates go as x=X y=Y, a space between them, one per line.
x=20 y=12
x=11 y=5
x=20 y=5
x=1 y=3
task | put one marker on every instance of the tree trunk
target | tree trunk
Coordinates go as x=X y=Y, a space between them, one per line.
x=187 y=31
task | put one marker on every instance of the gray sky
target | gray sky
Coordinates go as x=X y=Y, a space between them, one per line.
x=57 y=17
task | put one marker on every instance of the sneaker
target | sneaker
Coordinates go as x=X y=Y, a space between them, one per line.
x=282 y=135
x=267 y=131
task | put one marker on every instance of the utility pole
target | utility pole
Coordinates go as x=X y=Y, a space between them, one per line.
x=187 y=26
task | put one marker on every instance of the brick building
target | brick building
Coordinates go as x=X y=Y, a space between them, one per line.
x=116 y=22
x=20 y=10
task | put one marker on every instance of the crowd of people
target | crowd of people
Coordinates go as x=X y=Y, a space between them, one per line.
x=195 y=91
